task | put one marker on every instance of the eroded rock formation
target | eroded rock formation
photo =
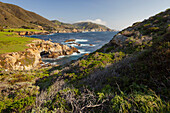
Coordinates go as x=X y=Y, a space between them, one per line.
x=31 y=58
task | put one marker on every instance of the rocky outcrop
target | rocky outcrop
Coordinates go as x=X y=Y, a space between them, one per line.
x=23 y=33
x=70 y=40
x=140 y=35
x=31 y=58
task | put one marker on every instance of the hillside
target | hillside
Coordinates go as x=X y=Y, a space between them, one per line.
x=128 y=74
x=15 y=17
x=80 y=27
x=90 y=25
x=63 y=25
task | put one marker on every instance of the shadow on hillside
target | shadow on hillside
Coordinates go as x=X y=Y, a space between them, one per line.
x=146 y=69
x=45 y=82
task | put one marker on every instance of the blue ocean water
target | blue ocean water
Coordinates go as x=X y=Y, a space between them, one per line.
x=97 y=39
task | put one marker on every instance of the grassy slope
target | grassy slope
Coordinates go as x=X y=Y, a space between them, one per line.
x=9 y=42
x=117 y=78
x=21 y=29
x=15 y=16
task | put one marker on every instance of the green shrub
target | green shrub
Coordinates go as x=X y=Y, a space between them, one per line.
x=21 y=104
x=153 y=28
x=109 y=49
x=140 y=102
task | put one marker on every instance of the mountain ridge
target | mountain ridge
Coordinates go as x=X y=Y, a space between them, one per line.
x=13 y=16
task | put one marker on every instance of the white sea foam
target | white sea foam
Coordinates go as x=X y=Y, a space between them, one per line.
x=82 y=45
x=82 y=51
x=81 y=40
x=46 y=63
x=73 y=45
x=87 y=45
x=61 y=56
x=75 y=54
x=51 y=34
x=54 y=63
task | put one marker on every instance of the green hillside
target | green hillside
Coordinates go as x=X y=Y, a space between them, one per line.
x=90 y=25
x=14 y=16
x=130 y=74
x=80 y=25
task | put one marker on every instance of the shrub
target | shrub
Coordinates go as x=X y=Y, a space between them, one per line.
x=138 y=101
x=21 y=104
x=1 y=28
x=109 y=49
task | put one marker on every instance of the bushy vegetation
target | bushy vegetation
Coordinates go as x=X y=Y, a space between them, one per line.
x=128 y=77
x=18 y=93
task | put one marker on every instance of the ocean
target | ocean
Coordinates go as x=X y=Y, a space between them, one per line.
x=88 y=42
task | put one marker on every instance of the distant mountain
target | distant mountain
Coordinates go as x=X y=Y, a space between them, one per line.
x=81 y=26
x=61 y=25
x=90 y=25
x=14 y=16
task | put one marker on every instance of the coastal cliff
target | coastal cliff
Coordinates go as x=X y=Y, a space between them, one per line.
x=31 y=58
x=129 y=74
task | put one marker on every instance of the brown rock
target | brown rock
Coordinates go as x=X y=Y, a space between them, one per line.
x=74 y=49
x=68 y=52
x=74 y=30
x=86 y=54
x=22 y=33
x=70 y=40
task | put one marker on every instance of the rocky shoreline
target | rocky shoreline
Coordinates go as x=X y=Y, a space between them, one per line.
x=29 y=33
x=31 y=58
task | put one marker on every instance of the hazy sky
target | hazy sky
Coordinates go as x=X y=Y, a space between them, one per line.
x=116 y=14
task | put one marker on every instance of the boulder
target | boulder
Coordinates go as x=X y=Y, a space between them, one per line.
x=70 y=40
x=75 y=49
x=74 y=30
x=86 y=54
x=22 y=33
x=119 y=39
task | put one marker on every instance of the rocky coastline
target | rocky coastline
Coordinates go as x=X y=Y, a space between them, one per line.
x=29 y=33
x=31 y=57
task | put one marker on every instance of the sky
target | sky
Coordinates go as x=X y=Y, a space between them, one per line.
x=116 y=14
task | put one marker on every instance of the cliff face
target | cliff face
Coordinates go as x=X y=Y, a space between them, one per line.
x=31 y=58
